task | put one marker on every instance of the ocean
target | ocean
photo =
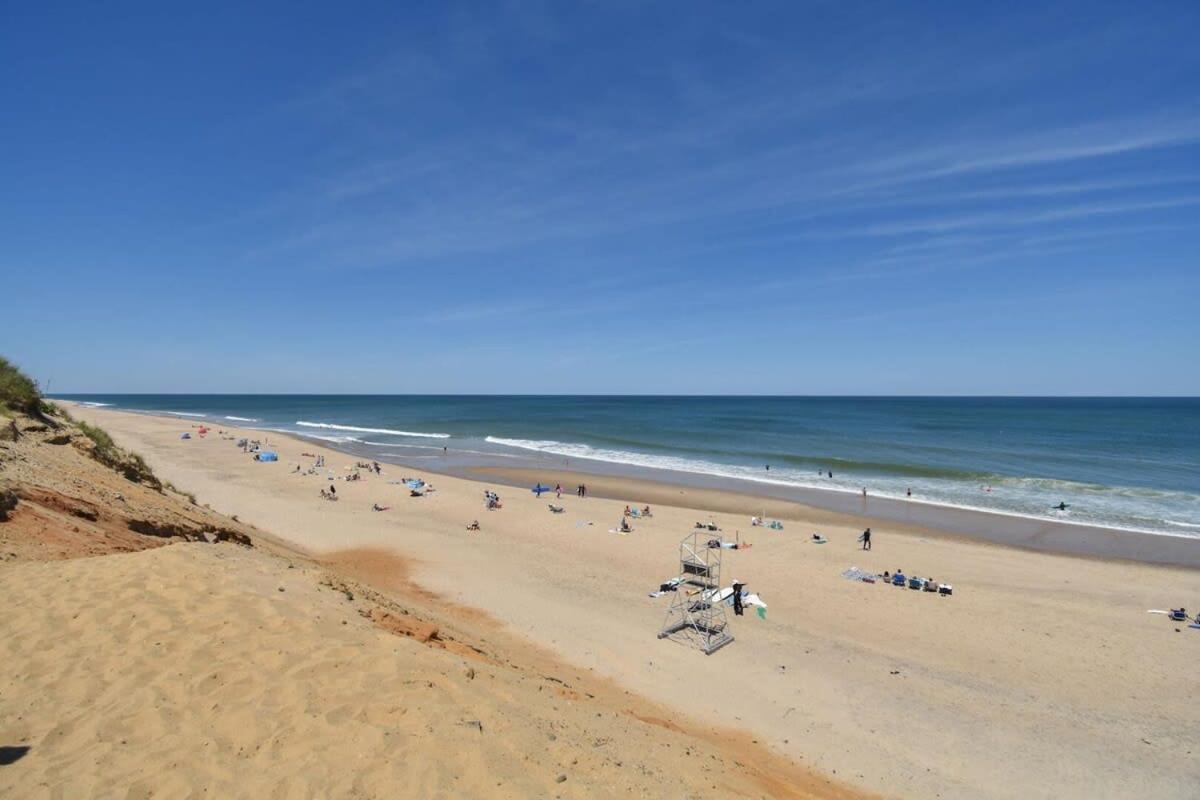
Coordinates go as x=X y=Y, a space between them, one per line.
x=1130 y=463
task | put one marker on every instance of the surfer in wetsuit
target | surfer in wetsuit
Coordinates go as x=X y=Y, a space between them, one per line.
x=1061 y=506
x=737 y=599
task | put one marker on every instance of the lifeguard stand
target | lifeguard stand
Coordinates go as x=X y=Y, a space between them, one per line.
x=698 y=608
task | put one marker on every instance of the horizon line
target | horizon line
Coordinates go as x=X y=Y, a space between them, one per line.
x=67 y=395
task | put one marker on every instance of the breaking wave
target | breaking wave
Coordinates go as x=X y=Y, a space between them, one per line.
x=385 y=431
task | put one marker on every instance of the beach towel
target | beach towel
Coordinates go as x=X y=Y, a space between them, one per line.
x=856 y=574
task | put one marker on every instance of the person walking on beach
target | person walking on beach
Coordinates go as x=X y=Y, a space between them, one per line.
x=558 y=491
x=866 y=539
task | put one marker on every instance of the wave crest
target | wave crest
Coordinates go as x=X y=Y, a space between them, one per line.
x=384 y=431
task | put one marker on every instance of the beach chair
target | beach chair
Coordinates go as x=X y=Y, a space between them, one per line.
x=899 y=579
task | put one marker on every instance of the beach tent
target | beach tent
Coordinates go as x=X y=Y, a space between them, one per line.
x=267 y=455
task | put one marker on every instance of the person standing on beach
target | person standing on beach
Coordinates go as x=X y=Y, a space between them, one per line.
x=558 y=491
x=866 y=539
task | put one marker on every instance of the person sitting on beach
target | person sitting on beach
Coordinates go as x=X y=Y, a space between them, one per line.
x=377 y=507
x=474 y=526
x=625 y=526
x=646 y=512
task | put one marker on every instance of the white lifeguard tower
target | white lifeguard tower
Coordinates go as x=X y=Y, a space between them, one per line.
x=697 y=612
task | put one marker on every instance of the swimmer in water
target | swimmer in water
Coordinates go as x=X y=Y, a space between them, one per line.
x=1061 y=506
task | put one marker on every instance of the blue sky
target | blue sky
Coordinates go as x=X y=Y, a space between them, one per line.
x=872 y=198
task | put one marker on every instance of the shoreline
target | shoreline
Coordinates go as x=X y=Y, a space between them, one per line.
x=1003 y=528
x=1061 y=538
x=845 y=507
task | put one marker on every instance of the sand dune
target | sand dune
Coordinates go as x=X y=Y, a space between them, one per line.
x=221 y=671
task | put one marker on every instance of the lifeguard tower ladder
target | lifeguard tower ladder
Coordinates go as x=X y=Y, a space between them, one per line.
x=698 y=610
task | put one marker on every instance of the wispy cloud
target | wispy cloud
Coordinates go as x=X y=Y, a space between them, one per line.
x=1018 y=218
x=981 y=154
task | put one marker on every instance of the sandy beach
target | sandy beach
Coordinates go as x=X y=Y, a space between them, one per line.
x=1042 y=675
x=153 y=647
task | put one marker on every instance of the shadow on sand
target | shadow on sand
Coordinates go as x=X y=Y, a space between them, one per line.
x=11 y=755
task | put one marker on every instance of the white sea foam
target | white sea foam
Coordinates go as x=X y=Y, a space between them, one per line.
x=1024 y=499
x=185 y=414
x=94 y=404
x=332 y=439
x=385 y=431
x=675 y=463
x=405 y=445
x=241 y=419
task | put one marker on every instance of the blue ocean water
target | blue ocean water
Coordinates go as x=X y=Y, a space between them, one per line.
x=1118 y=462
